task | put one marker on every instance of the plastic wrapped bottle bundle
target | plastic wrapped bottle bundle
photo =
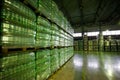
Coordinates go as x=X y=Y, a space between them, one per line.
x=16 y=23
x=20 y=8
x=14 y=66
x=50 y=10
x=43 y=64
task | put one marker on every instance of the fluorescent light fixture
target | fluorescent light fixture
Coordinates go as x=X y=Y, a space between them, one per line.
x=92 y=33
x=114 y=32
x=105 y=33
x=77 y=35
x=85 y=33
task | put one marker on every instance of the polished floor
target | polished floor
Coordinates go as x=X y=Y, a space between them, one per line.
x=90 y=66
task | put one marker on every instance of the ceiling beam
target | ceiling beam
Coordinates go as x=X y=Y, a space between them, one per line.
x=115 y=19
x=85 y=23
x=80 y=4
x=98 y=9
x=84 y=15
x=114 y=13
x=103 y=11
x=91 y=23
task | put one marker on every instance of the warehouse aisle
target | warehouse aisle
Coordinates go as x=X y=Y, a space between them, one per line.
x=97 y=66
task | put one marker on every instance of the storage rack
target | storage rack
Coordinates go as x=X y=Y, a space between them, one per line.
x=23 y=59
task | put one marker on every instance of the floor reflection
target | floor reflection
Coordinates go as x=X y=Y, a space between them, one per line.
x=91 y=66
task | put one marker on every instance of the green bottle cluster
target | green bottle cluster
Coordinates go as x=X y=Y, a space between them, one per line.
x=18 y=66
x=42 y=64
x=37 y=24
x=18 y=24
x=22 y=27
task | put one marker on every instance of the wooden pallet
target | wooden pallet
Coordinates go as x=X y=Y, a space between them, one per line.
x=5 y=50
x=16 y=49
x=47 y=47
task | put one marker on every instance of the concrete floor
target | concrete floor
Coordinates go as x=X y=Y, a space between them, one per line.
x=90 y=66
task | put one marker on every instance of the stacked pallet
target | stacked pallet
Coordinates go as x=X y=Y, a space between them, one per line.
x=113 y=45
x=43 y=33
x=90 y=45
x=42 y=64
x=106 y=45
x=61 y=57
x=85 y=43
x=95 y=45
x=18 y=25
x=55 y=35
x=80 y=45
x=54 y=60
x=69 y=52
x=34 y=36
x=18 y=66
x=118 y=45
x=76 y=46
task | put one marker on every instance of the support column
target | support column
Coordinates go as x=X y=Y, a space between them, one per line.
x=84 y=38
x=110 y=43
x=85 y=42
x=100 y=39
x=82 y=29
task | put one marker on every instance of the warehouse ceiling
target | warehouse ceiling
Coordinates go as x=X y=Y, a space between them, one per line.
x=88 y=15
